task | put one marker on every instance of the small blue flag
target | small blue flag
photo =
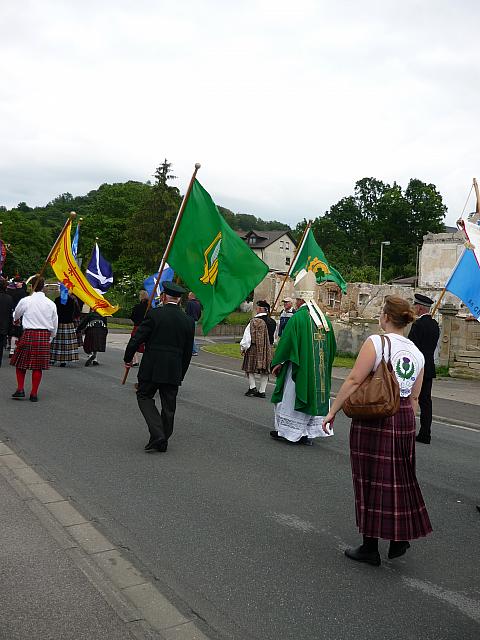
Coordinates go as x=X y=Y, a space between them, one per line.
x=99 y=272
x=149 y=283
x=63 y=288
x=465 y=282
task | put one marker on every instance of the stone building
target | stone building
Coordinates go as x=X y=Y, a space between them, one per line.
x=438 y=257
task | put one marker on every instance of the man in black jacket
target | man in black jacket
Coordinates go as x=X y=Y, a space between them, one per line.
x=168 y=336
x=6 y=310
x=425 y=334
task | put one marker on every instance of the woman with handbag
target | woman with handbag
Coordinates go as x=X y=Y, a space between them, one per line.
x=382 y=399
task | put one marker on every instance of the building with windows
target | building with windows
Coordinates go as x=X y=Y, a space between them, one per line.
x=275 y=248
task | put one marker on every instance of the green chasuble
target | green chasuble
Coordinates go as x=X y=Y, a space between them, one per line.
x=311 y=351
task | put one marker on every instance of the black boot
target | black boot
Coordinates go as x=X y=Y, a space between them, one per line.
x=397 y=548
x=367 y=552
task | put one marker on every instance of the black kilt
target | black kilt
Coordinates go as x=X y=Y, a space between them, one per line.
x=95 y=339
x=388 y=500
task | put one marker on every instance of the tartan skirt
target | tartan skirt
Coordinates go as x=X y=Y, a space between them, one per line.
x=95 y=339
x=32 y=350
x=64 y=347
x=388 y=500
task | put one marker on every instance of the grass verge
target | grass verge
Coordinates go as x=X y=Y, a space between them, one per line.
x=232 y=350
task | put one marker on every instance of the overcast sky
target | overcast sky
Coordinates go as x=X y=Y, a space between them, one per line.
x=286 y=103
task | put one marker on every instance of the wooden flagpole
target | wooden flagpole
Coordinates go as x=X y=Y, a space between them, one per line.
x=167 y=250
x=174 y=233
x=305 y=231
x=55 y=245
x=437 y=304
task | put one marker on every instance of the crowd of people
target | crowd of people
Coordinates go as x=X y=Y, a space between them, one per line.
x=299 y=352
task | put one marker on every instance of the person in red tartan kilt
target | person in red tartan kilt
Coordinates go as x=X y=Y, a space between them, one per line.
x=388 y=500
x=40 y=323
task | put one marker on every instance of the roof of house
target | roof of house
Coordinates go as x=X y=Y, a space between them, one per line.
x=265 y=238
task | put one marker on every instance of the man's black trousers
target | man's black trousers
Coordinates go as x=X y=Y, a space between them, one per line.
x=425 y=403
x=159 y=425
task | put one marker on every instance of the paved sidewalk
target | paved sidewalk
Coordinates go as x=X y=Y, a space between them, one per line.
x=44 y=594
x=61 y=579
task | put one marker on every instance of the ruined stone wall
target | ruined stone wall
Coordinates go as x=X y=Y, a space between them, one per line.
x=459 y=344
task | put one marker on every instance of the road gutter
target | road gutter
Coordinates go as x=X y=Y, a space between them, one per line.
x=146 y=613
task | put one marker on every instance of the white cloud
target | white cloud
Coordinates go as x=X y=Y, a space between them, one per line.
x=285 y=104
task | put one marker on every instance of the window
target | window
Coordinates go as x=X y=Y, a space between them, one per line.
x=333 y=298
x=281 y=244
x=287 y=261
x=252 y=240
x=287 y=246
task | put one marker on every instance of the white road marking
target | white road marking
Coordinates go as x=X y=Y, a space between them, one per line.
x=468 y=606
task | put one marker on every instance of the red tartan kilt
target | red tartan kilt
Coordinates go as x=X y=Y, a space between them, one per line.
x=388 y=500
x=32 y=350
x=141 y=348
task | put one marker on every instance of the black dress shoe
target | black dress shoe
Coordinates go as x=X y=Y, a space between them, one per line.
x=305 y=440
x=422 y=439
x=149 y=445
x=360 y=555
x=397 y=549
x=259 y=394
x=33 y=398
x=156 y=445
x=18 y=395
x=251 y=392
x=89 y=361
x=63 y=364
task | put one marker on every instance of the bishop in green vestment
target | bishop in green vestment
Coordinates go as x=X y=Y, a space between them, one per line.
x=303 y=363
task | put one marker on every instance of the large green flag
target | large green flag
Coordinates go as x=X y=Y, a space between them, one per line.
x=212 y=260
x=311 y=258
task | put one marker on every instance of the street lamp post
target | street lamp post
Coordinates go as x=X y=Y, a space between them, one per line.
x=386 y=243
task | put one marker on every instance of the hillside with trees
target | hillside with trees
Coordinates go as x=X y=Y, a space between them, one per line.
x=133 y=221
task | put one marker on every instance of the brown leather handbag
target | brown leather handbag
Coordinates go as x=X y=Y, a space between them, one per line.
x=379 y=394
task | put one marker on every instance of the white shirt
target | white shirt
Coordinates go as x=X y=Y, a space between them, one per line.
x=37 y=312
x=246 y=341
x=407 y=360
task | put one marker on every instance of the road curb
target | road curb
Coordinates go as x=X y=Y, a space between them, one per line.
x=443 y=419
x=147 y=614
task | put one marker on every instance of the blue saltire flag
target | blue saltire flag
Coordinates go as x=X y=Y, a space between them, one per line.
x=99 y=272
x=148 y=284
x=465 y=282
x=63 y=288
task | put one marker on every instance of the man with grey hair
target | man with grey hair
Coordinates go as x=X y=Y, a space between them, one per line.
x=425 y=334
x=167 y=333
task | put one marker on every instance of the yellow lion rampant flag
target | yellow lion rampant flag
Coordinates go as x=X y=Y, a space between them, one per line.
x=68 y=272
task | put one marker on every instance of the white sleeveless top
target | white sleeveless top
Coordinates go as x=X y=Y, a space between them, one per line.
x=407 y=360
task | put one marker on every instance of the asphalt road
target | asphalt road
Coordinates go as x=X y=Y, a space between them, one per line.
x=248 y=532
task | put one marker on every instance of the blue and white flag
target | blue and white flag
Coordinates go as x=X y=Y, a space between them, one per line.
x=465 y=282
x=167 y=275
x=99 y=272
x=63 y=288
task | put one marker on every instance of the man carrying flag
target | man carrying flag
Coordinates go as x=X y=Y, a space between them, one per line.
x=168 y=336
x=425 y=334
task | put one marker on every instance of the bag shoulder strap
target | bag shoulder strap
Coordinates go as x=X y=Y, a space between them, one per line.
x=389 y=347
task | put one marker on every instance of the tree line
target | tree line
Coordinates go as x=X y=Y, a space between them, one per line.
x=133 y=221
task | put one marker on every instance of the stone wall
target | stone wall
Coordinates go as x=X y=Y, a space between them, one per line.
x=459 y=344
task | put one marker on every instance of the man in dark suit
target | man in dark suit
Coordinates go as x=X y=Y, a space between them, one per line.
x=168 y=336
x=425 y=334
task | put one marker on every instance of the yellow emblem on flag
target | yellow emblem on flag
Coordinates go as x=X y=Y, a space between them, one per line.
x=316 y=264
x=211 y=260
x=68 y=272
